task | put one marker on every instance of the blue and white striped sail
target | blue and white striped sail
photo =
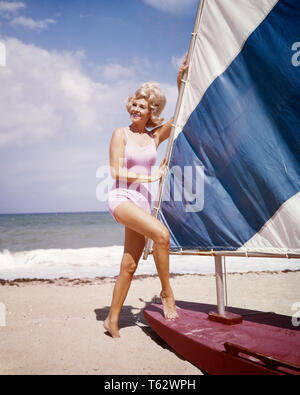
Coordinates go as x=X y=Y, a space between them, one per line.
x=234 y=176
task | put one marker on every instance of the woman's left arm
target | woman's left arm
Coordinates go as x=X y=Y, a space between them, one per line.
x=161 y=133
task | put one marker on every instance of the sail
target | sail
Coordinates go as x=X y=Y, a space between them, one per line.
x=234 y=174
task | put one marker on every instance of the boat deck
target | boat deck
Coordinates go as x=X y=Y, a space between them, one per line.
x=269 y=337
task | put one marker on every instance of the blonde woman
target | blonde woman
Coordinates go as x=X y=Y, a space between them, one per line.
x=132 y=153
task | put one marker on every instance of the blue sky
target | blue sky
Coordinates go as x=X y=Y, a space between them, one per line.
x=69 y=67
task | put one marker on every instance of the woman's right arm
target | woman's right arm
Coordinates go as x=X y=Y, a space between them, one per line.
x=118 y=171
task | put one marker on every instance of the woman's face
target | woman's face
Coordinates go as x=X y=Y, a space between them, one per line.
x=139 y=112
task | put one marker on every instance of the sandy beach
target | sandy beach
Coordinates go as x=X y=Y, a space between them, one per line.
x=55 y=326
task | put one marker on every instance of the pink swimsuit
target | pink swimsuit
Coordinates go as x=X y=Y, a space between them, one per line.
x=138 y=160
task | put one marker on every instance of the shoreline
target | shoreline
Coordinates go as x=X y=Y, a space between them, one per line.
x=105 y=262
x=104 y=279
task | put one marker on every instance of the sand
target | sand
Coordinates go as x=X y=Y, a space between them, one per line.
x=55 y=327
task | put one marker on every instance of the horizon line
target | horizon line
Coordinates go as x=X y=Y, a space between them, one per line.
x=57 y=212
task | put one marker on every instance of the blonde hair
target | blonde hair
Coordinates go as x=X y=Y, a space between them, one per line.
x=151 y=92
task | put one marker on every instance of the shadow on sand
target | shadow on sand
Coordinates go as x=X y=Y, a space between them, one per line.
x=133 y=316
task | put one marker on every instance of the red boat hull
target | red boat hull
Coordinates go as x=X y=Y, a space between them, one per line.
x=201 y=341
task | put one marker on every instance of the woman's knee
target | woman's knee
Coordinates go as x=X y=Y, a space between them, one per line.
x=163 y=237
x=128 y=266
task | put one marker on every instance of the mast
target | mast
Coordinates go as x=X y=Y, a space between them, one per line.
x=193 y=39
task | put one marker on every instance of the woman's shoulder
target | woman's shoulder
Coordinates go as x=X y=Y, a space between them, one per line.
x=120 y=130
x=119 y=134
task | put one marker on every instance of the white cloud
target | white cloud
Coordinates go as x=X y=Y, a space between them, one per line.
x=174 y=7
x=47 y=93
x=7 y=7
x=82 y=16
x=31 y=23
x=140 y=68
x=114 y=72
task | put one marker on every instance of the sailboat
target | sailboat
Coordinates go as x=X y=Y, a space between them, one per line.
x=232 y=187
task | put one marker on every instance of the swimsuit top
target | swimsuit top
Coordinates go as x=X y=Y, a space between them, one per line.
x=138 y=159
x=138 y=156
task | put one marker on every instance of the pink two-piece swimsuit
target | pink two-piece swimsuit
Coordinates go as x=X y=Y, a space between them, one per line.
x=137 y=159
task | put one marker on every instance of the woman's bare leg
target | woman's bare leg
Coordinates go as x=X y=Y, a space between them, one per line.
x=141 y=222
x=161 y=258
x=133 y=248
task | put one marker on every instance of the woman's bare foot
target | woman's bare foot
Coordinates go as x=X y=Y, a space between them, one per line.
x=111 y=328
x=169 y=306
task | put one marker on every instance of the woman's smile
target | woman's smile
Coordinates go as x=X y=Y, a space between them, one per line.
x=135 y=114
x=140 y=111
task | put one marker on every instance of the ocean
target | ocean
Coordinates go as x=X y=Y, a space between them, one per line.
x=90 y=244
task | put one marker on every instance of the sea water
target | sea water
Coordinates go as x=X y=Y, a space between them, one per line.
x=76 y=245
